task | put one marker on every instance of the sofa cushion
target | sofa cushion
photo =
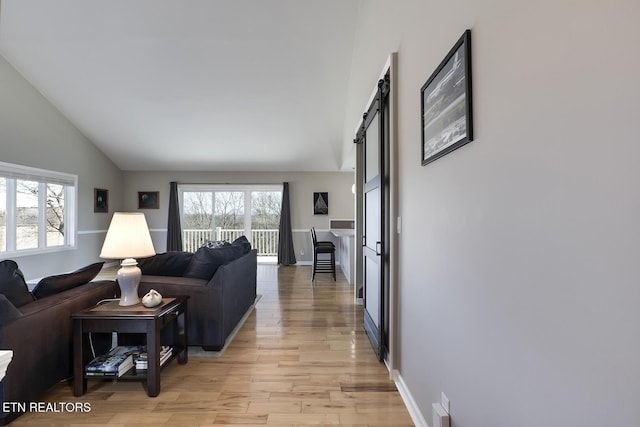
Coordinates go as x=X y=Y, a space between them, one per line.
x=206 y=261
x=243 y=242
x=172 y=263
x=54 y=284
x=212 y=244
x=12 y=284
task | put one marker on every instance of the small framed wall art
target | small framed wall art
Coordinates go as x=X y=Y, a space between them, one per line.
x=100 y=200
x=321 y=203
x=148 y=200
x=446 y=103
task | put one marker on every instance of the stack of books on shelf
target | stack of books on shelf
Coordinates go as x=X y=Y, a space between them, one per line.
x=112 y=364
x=141 y=359
x=120 y=359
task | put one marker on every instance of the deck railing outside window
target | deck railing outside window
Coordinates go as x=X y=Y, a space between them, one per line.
x=265 y=241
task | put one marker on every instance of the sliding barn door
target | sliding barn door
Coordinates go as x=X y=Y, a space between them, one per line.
x=374 y=137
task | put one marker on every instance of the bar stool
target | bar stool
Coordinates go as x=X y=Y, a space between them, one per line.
x=323 y=265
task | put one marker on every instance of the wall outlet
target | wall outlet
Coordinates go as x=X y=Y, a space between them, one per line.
x=444 y=401
x=440 y=416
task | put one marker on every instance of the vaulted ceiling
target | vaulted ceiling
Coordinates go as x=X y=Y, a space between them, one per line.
x=226 y=85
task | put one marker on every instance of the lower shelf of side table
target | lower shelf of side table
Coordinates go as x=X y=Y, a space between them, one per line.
x=137 y=374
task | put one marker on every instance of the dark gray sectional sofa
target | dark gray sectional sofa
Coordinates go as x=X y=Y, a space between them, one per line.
x=40 y=331
x=220 y=283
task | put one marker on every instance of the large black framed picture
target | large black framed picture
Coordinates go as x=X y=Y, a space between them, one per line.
x=446 y=103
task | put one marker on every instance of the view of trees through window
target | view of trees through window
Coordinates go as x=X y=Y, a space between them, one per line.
x=197 y=208
x=28 y=229
x=26 y=214
x=55 y=214
x=229 y=210
x=265 y=210
x=206 y=210
x=222 y=215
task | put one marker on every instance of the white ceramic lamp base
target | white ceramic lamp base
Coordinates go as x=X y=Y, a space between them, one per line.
x=129 y=278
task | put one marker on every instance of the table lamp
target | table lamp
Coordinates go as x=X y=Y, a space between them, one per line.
x=128 y=238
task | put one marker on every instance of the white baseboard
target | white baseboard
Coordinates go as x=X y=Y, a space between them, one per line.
x=410 y=403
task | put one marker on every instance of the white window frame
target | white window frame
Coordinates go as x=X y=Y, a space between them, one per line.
x=12 y=173
x=245 y=188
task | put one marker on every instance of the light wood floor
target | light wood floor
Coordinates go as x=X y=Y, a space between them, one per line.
x=300 y=358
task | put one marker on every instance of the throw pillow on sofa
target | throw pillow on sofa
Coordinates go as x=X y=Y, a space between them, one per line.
x=13 y=285
x=205 y=261
x=172 y=263
x=54 y=284
x=243 y=242
x=212 y=244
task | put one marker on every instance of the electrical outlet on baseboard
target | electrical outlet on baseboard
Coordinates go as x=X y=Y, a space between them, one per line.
x=444 y=401
x=440 y=416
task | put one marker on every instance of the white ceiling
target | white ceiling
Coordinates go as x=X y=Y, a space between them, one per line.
x=231 y=85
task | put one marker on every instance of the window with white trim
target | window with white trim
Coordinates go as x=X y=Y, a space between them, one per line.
x=37 y=210
x=227 y=211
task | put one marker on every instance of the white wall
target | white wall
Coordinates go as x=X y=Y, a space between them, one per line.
x=518 y=271
x=33 y=133
x=302 y=185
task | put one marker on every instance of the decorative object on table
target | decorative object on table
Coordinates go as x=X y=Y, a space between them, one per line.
x=152 y=299
x=100 y=200
x=128 y=238
x=321 y=203
x=148 y=200
x=446 y=103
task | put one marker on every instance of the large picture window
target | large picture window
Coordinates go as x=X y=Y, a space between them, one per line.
x=226 y=212
x=37 y=210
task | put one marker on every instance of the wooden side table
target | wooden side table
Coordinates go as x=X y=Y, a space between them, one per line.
x=111 y=317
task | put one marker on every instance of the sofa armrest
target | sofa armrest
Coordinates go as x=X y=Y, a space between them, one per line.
x=237 y=280
x=204 y=304
x=41 y=341
x=242 y=270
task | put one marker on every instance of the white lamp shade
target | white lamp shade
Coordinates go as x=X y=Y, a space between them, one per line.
x=127 y=237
